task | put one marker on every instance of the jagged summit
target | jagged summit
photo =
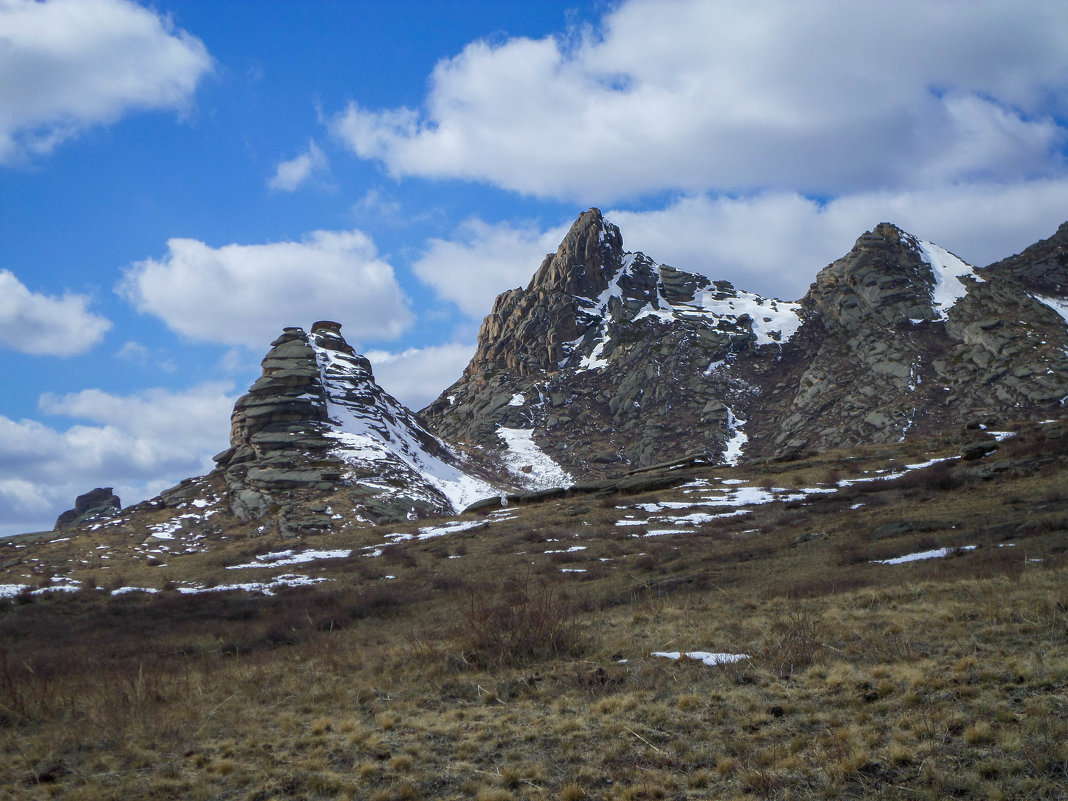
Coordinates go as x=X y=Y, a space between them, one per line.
x=317 y=422
x=889 y=277
x=609 y=360
x=587 y=258
x=590 y=288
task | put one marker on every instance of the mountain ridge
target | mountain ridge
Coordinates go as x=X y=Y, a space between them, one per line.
x=891 y=315
x=608 y=362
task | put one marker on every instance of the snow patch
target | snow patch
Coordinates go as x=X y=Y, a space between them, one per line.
x=937 y=553
x=707 y=657
x=290 y=557
x=732 y=450
x=948 y=271
x=1059 y=305
x=523 y=452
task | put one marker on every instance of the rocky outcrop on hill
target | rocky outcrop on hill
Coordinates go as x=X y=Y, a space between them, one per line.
x=315 y=435
x=902 y=337
x=610 y=361
x=97 y=504
x=1041 y=269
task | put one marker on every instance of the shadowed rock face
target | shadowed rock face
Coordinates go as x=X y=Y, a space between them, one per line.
x=614 y=361
x=1041 y=269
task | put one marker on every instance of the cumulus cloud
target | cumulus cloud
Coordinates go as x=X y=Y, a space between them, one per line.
x=289 y=175
x=46 y=325
x=76 y=63
x=484 y=259
x=773 y=243
x=245 y=294
x=416 y=376
x=818 y=97
x=138 y=444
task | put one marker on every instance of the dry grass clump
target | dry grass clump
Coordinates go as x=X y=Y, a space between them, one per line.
x=517 y=622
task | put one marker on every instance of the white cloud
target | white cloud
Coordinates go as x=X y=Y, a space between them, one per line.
x=71 y=64
x=245 y=294
x=417 y=376
x=289 y=175
x=818 y=97
x=483 y=260
x=773 y=243
x=46 y=325
x=138 y=444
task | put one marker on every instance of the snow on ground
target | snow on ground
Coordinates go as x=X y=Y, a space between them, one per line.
x=1058 y=305
x=386 y=434
x=290 y=557
x=889 y=476
x=733 y=499
x=522 y=452
x=732 y=450
x=937 y=553
x=948 y=270
x=451 y=528
x=707 y=657
x=266 y=587
x=61 y=584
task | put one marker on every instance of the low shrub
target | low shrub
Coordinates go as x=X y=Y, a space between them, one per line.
x=518 y=622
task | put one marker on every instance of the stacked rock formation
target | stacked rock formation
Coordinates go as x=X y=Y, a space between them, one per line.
x=316 y=439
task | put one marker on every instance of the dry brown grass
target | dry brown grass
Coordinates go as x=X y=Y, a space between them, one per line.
x=496 y=676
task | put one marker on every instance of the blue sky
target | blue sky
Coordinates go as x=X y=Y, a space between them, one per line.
x=180 y=180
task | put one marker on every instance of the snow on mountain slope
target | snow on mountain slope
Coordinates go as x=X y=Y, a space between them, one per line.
x=948 y=271
x=373 y=431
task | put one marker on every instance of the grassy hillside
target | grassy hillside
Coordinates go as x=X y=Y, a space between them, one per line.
x=514 y=658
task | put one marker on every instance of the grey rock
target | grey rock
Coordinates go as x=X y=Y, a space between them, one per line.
x=97 y=504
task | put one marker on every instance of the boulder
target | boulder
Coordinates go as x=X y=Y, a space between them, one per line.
x=97 y=504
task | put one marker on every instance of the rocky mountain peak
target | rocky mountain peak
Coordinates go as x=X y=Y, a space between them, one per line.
x=587 y=258
x=889 y=277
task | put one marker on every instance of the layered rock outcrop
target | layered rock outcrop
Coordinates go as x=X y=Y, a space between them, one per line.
x=316 y=436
